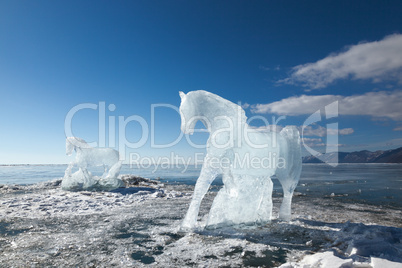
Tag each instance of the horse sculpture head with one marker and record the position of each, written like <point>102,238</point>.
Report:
<point>207,107</point>
<point>187,114</point>
<point>73,142</point>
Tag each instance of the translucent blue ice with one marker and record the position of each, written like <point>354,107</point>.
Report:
<point>245,157</point>
<point>87,156</point>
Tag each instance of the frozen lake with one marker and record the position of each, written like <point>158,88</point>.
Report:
<point>372,183</point>
<point>348,215</point>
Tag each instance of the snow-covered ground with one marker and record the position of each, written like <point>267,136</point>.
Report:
<point>42,225</point>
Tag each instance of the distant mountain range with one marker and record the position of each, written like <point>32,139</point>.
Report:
<point>389,156</point>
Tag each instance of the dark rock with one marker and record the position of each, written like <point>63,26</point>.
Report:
<point>132,180</point>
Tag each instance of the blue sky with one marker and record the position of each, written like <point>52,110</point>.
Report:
<point>274,56</point>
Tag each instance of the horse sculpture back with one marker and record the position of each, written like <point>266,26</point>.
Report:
<point>246,194</point>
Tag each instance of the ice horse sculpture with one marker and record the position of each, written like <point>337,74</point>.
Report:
<point>87,156</point>
<point>233,151</point>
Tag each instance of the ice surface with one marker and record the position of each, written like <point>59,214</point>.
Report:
<point>357,245</point>
<point>86,156</point>
<point>322,259</point>
<point>382,263</point>
<point>43,226</point>
<point>246,158</point>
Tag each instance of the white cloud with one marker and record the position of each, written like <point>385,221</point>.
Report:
<point>380,104</point>
<point>264,68</point>
<point>345,131</point>
<point>317,142</point>
<point>320,131</point>
<point>398,128</point>
<point>295,105</point>
<point>312,140</point>
<point>324,145</point>
<point>245,105</point>
<point>267,128</point>
<point>378,60</point>
<point>309,131</point>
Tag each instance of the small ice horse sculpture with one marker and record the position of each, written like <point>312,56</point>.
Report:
<point>87,156</point>
<point>246,159</point>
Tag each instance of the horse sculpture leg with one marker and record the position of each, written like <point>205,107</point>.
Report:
<point>86,173</point>
<point>105,171</point>
<point>207,176</point>
<point>67,173</point>
<point>264,209</point>
<point>289,175</point>
<point>288,178</point>
<point>285,210</point>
